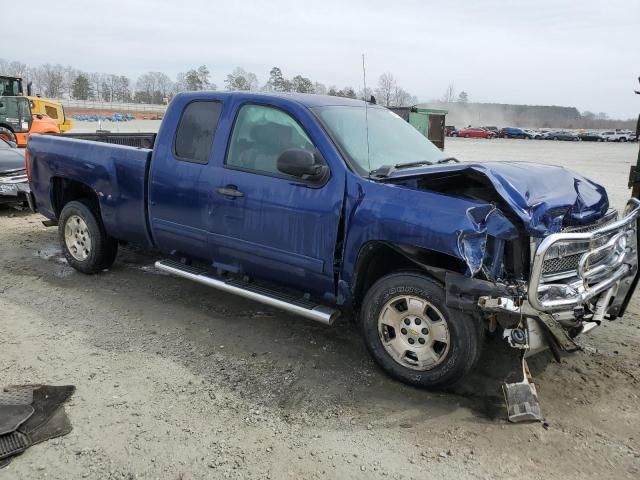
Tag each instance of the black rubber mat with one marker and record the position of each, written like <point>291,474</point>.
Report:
<point>56,425</point>
<point>46,399</point>
<point>16,396</point>
<point>30,415</point>
<point>13,444</point>
<point>12,416</point>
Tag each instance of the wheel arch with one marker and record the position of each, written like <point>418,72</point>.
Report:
<point>65,190</point>
<point>377,259</point>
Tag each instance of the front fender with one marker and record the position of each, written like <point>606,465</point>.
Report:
<point>469,230</point>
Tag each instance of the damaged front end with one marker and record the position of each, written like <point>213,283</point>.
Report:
<point>579,277</point>
<point>547,259</point>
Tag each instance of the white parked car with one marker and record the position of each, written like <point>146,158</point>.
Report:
<point>613,136</point>
<point>533,133</point>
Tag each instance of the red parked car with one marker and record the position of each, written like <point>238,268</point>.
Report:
<point>476,133</point>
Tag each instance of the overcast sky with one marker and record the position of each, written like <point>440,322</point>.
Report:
<point>580,53</point>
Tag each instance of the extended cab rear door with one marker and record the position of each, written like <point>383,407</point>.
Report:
<point>182,179</point>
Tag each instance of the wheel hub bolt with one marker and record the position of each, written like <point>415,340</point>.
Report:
<point>412,341</point>
<point>404,331</point>
<point>425,331</point>
<point>418,321</point>
<point>407,321</point>
<point>421,340</point>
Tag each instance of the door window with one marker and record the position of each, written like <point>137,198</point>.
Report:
<point>197,126</point>
<point>259,137</point>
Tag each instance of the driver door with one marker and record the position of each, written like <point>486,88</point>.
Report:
<point>269,224</point>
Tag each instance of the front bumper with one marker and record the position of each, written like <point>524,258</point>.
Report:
<point>13,188</point>
<point>610,264</point>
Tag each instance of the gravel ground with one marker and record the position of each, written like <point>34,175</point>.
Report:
<point>177,381</point>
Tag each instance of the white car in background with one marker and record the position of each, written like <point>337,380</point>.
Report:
<point>613,136</point>
<point>535,134</point>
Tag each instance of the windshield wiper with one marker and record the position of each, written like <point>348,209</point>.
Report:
<point>413,164</point>
<point>385,170</point>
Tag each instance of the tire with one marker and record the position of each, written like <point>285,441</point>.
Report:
<point>84,242</point>
<point>7,134</point>
<point>622,140</point>
<point>446,361</point>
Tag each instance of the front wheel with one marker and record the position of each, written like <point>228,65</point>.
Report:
<point>85,244</point>
<point>413,336</point>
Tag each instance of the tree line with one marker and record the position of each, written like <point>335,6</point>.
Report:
<point>67,82</point>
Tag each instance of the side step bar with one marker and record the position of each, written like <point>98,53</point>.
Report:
<point>289,303</point>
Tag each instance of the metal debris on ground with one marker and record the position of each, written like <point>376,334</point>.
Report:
<point>522,398</point>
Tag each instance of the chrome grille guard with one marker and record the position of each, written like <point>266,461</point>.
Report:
<point>620,261</point>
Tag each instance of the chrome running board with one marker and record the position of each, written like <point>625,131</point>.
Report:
<point>273,298</point>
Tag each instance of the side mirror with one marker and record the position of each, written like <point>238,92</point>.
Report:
<point>301,163</point>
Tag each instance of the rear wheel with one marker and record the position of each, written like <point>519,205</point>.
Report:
<point>623,139</point>
<point>85,244</point>
<point>8,135</point>
<point>413,336</point>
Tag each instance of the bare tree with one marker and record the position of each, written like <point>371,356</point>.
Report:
<point>387,83</point>
<point>52,78</point>
<point>240,79</point>
<point>402,98</point>
<point>319,88</point>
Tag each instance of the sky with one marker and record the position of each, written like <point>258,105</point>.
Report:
<point>581,53</point>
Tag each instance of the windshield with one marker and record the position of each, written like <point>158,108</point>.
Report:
<point>392,141</point>
<point>10,86</point>
<point>16,112</point>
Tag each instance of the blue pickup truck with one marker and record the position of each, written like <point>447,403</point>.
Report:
<point>324,206</point>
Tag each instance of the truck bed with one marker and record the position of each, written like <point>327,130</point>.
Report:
<point>140,140</point>
<point>116,173</point>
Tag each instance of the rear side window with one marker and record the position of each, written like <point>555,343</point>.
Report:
<point>197,126</point>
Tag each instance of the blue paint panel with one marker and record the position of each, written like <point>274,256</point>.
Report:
<point>115,173</point>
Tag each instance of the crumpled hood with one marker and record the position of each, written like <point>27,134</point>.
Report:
<point>545,197</point>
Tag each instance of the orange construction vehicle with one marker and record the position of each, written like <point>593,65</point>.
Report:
<point>14,87</point>
<point>17,121</point>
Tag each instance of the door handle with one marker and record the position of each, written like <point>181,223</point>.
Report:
<point>230,191</point>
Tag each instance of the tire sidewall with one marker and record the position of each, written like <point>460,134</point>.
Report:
<point>93,262</point>
<point>464,344</point>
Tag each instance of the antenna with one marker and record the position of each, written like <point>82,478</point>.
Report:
<point>366,109</point>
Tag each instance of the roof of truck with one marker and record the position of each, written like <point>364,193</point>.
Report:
<point>306,99</point>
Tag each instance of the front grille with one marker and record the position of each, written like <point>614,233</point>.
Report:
<point>610,216</point>
<point>568,264</point>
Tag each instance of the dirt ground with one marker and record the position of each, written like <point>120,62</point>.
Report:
<point>177,381</point>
